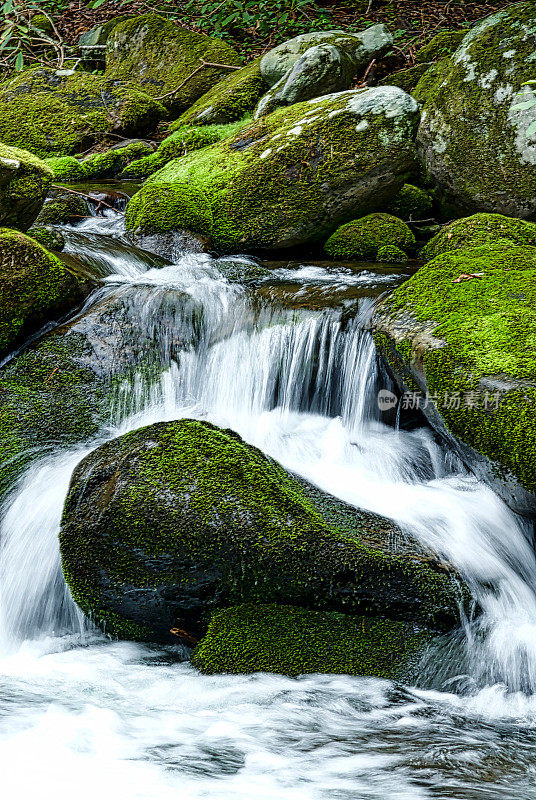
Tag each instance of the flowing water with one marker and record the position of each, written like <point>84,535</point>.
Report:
<point>83,716</point>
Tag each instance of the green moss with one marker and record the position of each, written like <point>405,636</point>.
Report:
<point>391,254</point>
<point>171,202</point>
<point>294,641</point>
<point>33,285</point>
<point>114,161</point>
<point>185,517</point>
<point>363,237</point>
<point>24,182</point>
<point>289,177</point>
<point>488,326</point>
<point>230,99</point>
<point>480,229</point>
<point>160,56</point>
<point>443,44</point>
<point>49,237</point>
<point>59,116</point>
<point>62,209</point>
<point>406,79</point>
<point>474,146</point>
<point>66,168</point>
<point>411,202</point>
<point>185,139</point>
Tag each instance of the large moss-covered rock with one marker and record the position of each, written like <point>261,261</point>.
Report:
<point>360,48</point>
<point>57,114</point>
<point>411,202</point>
<point>114,161</point>
<point>288,178</point>
<point>474,144</point>
<point>296,641</point>
<point>165,524</point>
<point>442,44</point>
<point>363,238</point>
<point>470,345</point>
<point>229,100</point>
<point>24,181</point>
<point>159,56</point>
<point>34,286</point>
<point>480,229</point>
<point>63,208</point>
<point>66,168</point>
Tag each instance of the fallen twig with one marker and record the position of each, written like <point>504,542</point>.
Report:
<point>87,196</point>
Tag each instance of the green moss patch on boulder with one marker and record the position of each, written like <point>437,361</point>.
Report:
<point>475,341</point>
<point>24,182</point>
<point>411,203</point>
<point>58,115</point>
<point>49,237</point>
<point>296,641</point>
<point>229,100</point>
<point>391,254</point>
<point>159,56</point>
<point>185,139</point>
<point>443,44</point>
<point>114,161</point>
<point>66,168</point>
<point>63,208</point>
<point>480,229</point>
<point>406,79</point>
<point>165,524</point>
<point>474,144</point>
<point>34,286</point>
<point>293,176</point>
<point>362,238</point>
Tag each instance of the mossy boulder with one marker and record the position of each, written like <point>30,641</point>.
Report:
<point>165,524</point>
<point>63,208</point>
<point>480,229</point>
<point>49,237</point>
<point>159,56</point>
<point>113,161</point>
<point>391,254</point>
<point>406,79</point>
<point>411,203</point>
<point>229,100</point>
<point>296,641</point>
<point>184,139</point>
<point>442,44</point>
<point>359,48</point>
<point>24,182</point>
<point>470,345</point>
<point>473,142</point>
<point>34,286</point>
<point>288,178</point>
<point>66,168</point>
<point>56,114</point>
<point>362,238</point>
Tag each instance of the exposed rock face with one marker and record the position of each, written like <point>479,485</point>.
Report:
<point>53,114</point>
<point>34,285</point>
<point>171,521</point>
<point>159,56</point>
<point>24,181</point>
<point>469,346</point>
<point>288,178</point>
<point>472,141</point>
<point>360,48</point>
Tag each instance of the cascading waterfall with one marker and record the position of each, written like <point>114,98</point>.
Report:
<point>302,386</point>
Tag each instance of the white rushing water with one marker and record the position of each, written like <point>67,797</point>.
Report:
<point>80,714</point>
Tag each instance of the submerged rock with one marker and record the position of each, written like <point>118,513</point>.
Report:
<point>54,114</point>
<point>467,344</point>
<point>24,182</point>
<point>480,229</point>
<point>474,144</point>
<point>296,641</point>
<point>288,178</point>
<point>34,286</point>
<point>159,56</point>
<point>363,238</point>
<point>167,523</point>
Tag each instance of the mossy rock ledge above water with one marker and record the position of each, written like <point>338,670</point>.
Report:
<point>463,331</point>
<point>167,523</point>
<point>288,178</point>
<point>24,182</point>
<point>296,641</point>
<point>475,145</point>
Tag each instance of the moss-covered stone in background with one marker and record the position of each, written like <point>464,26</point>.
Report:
<point>362,238</point>
<point>63,208</point>
<point>59,115</point>
<point>229,100</point>
<point>291,177</point>
<point>295,641</point>
<point>443,44</point>
<point>24,182</point>
<point>475,341</point>
<point>391,254</point>
<point>165,524</point>
<point>411,202</point>
<point>159,56</point>
<point>480,229</point>
<point>114,161</point>
<point>66,168</point>
<point>50,238</point>
<point>34,286</point>
<point>406,79</point>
